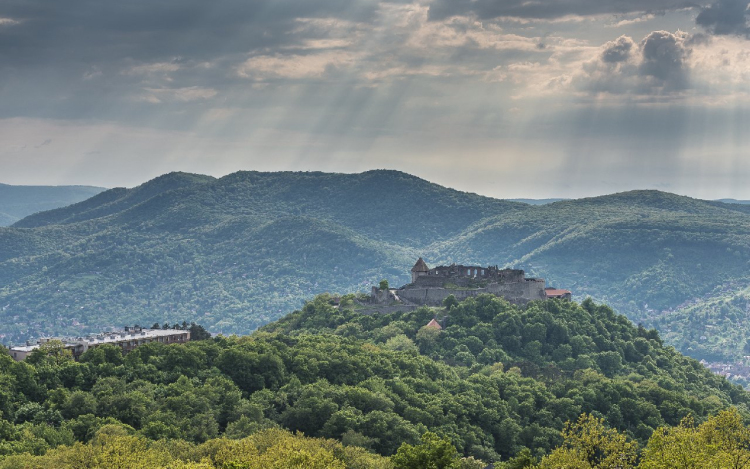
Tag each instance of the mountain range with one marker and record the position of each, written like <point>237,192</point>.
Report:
<point>17,202</point>
<point>237,252</point>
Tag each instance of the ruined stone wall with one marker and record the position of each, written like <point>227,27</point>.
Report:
<point>439,281</point>
<point>385,309</point>
<point>528,290</point>
<point>473,271</point>
<point>435,296</point>
<point>515,292</point>
<point>382,296</point>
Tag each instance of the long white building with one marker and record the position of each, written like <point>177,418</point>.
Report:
<point>127,340</point>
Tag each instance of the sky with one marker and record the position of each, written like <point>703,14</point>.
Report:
<point>506,98</point>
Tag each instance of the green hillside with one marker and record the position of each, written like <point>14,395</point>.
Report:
<point>237,252</point>
<point>714,328</point>
<point>496,380</point>
<point>638,250</point>
<point>17,202</point>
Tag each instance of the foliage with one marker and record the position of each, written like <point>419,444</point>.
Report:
<point>238,252</point>
<point>433,453</point>
<point>714,328</point>
<point>588,444</point>
<point>498,382</point>
<point>722,441</point>
<point>263,450</point>
<point>586,358</point>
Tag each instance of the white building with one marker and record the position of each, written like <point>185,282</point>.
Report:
<point>127,340</point>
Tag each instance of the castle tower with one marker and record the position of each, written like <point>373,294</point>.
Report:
<point>419,269</point>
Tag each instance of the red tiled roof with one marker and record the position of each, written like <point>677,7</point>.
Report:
<point>554,292</point>
<point>434,324</point>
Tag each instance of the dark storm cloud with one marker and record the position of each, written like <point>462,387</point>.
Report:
<point>726,17</point>
<point>83,58</point>
<point>618,50</point>
<point>148,30</point>
<point>664,58</point>
<point>657,66</point>
<point>541,9</point>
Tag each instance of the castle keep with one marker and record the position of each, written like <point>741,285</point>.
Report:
<point>431,286</point>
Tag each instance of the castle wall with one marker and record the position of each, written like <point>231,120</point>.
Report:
<point>465,275</point>
<point>382,296</point>
<point>439,281</point>
<point>435,296</point>
<point>428,286</point>
<point>516,292</point>
<point>385,309</point>
<point>527,290</point>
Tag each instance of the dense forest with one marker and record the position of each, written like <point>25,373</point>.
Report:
<point>497,382</point>
<point>238,252</point>
<point>17,202</point>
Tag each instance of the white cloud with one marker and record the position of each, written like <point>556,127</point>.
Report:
<point>630,21</point>
<point>294,66</point>
<point>184,95</point>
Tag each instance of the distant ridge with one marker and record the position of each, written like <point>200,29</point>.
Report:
<point>17,202</point>
<point>734,201</point>
<point>537,201</point>
<point>113,200</point>
<point>236,252</point>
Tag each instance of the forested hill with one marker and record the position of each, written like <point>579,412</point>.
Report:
<point>113,201</point>
<point>17,202</point>
<point>384,205</point>
<point>496,380</point>
<point>236,252</point>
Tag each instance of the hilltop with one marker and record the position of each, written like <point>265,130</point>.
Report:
<point>493,380</point>
<point>237,252</point>
<point>17,202</point>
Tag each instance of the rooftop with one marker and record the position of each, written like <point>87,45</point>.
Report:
<point>420,266</point>
<point>104,338</point>
<point>434,324</point>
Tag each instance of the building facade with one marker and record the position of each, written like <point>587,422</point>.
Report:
<point>431,286</point>
<point>126,340</point>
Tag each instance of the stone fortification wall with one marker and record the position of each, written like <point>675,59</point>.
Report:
<point>515,292</point>
<point>368,309</point>
<point>466,276</point>
<point>435,296</point>
<point>382,296</point>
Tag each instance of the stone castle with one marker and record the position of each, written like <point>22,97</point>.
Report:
<point>431,286</point>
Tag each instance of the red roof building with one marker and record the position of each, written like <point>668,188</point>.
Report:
<point>557,293</point>
<point>434,324</point>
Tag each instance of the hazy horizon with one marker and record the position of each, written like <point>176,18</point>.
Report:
<point>519,198</point>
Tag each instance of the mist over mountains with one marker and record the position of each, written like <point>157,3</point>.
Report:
<point>17,202</point>
<point>237,252</point>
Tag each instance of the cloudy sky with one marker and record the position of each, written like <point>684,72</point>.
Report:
<point>508,98</point>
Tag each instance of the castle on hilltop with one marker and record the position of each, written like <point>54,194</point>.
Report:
<point>431,286</point>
